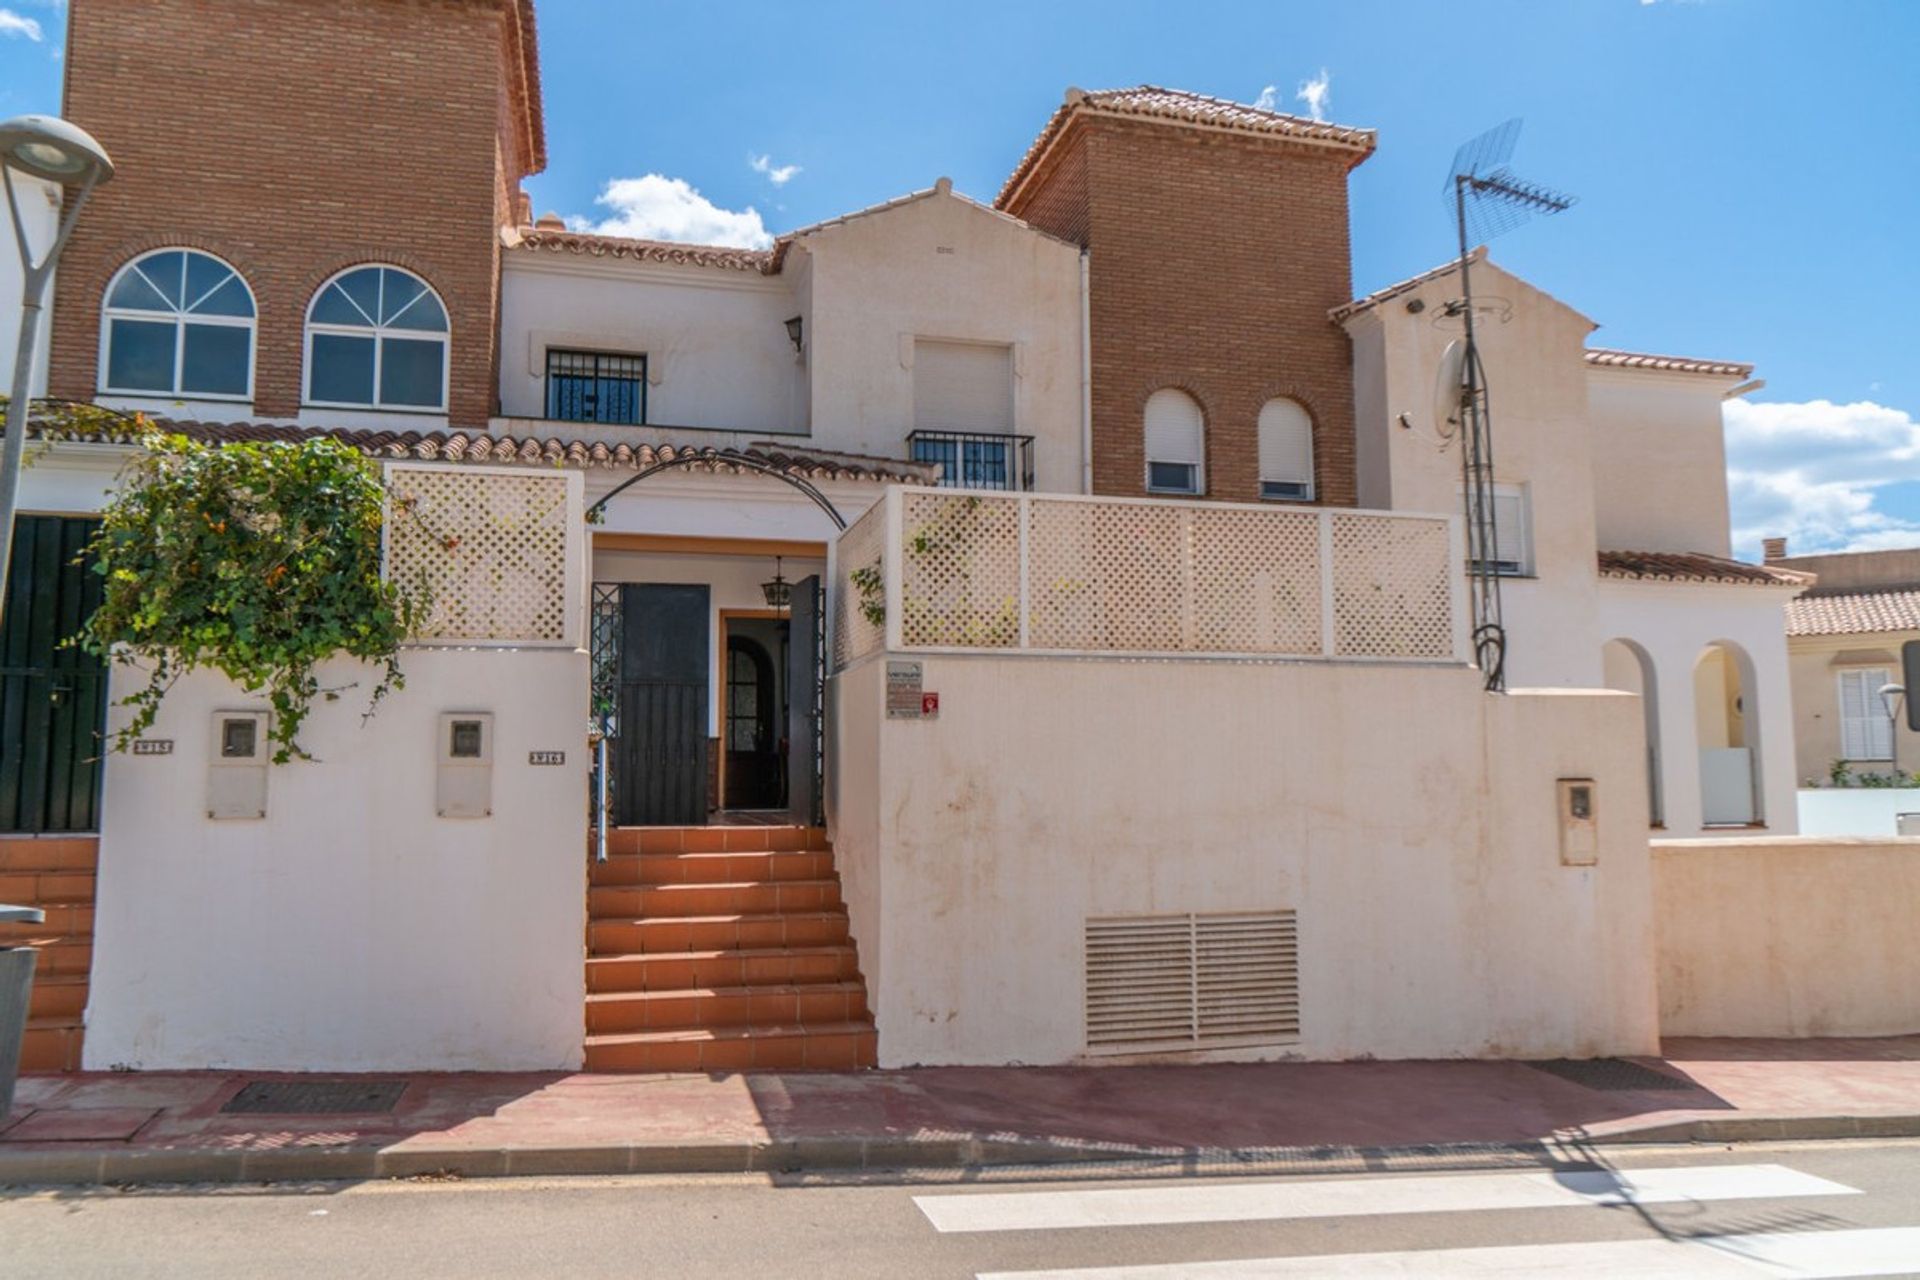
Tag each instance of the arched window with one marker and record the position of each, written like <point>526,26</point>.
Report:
<point>377,339</point>
<point>1286,452</point>
<point>178,322</point>
<point>1176,443</point>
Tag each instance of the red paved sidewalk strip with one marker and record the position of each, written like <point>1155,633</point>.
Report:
<point>169,1126</point>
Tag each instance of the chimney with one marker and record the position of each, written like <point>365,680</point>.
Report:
<point>1773,549</point>
<point>522,209</point>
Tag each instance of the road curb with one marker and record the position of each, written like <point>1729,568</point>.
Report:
<point>123,1166</point>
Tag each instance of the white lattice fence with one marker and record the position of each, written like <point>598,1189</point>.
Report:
<point>960,574</point>
<point>497,554</point>
<point>1393,582</point>
<point>858,602</point>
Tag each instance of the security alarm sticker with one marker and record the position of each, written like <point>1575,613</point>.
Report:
<point>904,694</point>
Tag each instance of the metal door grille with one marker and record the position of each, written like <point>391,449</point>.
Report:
<point>53,695</point>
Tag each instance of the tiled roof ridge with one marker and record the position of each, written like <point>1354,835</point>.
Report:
<point>1394,290</point>
<point>1696,566</point>
<point>1184,107</point>
<point>1614,358</point>
<point>456,445</point>
<point>1843,613</point>
<point>593,244</point>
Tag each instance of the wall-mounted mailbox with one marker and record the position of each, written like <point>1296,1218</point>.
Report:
<point>1579,822</point>
<point>464,783</point>
<point>237,765</point>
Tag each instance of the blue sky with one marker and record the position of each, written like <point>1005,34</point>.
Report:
<point>1748,171</point>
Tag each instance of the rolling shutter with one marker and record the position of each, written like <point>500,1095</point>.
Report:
<point>962,386</point>
<point>1286,451</point>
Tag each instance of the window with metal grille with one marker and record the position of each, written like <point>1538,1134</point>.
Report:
<point>596,386</point>
<point>1191,981</point>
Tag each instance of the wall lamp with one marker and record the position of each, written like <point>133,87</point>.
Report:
<point>794,332</point>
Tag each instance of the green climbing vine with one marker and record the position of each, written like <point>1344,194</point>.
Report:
<point>256,560</point>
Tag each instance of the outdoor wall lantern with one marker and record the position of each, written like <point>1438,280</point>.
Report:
<point>58,152</point>
<point>793,332</point>
<point>1890,698</point>
<point>779,592</point>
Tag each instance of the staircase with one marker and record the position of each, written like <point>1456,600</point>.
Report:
<point>56,874</point>
<point>721,949</point>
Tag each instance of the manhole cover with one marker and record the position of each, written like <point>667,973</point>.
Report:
<point>315,1097</point>
<point>1611,1075</point>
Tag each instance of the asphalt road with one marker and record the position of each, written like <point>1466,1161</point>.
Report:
<point>1774,1210</point>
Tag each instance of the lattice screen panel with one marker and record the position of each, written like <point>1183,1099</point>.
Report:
<point>859,550</point>
<point>1107,576</point>
<point>960,571</point>
<point>1256,581</point>
<point>489,549</point>
<point>1392,587</point>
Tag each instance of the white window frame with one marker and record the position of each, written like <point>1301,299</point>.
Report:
<point>1523,498</point>
<point>1873,732</point>
<point>377,332</point>
<point>1305,486</point>
<point>181,319</point>
<point>1198,463</point>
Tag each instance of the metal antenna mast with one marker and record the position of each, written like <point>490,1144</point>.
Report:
<point>1486,199</point>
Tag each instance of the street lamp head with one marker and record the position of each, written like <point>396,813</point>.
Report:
<point>1890,695</point>
<point>55,150</point>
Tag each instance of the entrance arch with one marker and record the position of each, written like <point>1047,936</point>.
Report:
<point>1727,729</point>
<point>1629,668</point>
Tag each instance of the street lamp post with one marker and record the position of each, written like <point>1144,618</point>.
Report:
<point>63,153</point>
<point>1890,697</point>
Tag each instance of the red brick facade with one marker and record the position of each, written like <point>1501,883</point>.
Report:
<point>295,139</point>
<point>1213,260</point>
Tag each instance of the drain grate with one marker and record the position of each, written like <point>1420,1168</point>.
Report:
<point>1611,1075</point>
<point>314,1097</point>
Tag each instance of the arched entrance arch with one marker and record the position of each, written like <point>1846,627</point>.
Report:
<point>1726,718</point>
<point>730,458</point>
<point>1629,668</point>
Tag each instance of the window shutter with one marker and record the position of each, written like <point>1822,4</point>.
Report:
<point>962,386</point>
<point>1286,450</point>
<point>1176,431</point>
<point>1510,529</point>
<point>1865,733</point>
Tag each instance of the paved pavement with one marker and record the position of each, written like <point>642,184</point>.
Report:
<point>160,1126</point>
<point>1814,1209</point>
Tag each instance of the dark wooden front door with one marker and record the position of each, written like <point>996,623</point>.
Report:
<point>661,756</point>
<point>53,697</point>
<point>805,671</point>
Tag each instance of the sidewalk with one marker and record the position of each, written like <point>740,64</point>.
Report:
<point>170,1127</point>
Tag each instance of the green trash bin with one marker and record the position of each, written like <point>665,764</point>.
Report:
<point>16,989</point>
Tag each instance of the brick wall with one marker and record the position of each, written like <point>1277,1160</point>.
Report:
<point>1214,261</point>
<point>295,139</point>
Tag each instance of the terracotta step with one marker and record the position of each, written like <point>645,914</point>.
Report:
<point>712,868</point>
<point>57,996</point>
<point>792,1004</point>
<point>828,1046</point>
<point>713,839</point>
<point>48,853</point>
<point>70,921</point>
<point>680,970</point>
<point>46,888</point>
<point>51,1044</point>
<point>742,898</point>
<point>718,932</point>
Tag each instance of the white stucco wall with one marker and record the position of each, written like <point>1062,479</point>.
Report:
<point>1673,623</point>
<point>40,212</point>
<point>1659,460</point>
<point>1531,345</point>
<point>1855,811</point>
<point>351,929</point>
<point>1788,937</point>
<point>1408,817</point>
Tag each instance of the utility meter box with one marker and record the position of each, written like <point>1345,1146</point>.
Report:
<point>464,767</point>
<point>237,765</point>
<point>1579,822</point>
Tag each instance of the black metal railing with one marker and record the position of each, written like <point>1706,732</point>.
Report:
<point>976,459</point>
<point>591,386</point>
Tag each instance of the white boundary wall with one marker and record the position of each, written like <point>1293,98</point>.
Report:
<point>1855,811</point>
<point>351,929</point>
<point>1407,817</point>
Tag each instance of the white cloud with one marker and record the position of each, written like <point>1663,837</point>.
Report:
<point>1809,470</point>
<point>13,24</point>
<point>778,174</point>
<point>656,207</point>
<point>1269,98</point>
<point>1314,94</point>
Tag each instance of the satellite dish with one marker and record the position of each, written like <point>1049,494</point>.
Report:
<point>1448,384</point>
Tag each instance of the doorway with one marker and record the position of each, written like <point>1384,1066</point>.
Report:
<point>754,710</point>
<point>53,695</point>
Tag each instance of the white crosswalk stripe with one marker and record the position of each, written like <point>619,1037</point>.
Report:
<point>1358,1197</point>
<point>1813,1255</point>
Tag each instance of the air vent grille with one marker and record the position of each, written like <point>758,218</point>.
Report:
<point>1189,980</point>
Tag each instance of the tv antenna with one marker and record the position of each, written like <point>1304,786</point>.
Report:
<point>1487,199</point>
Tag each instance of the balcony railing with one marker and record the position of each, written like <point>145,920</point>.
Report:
<point>976,459</point>
<point>932,570</point>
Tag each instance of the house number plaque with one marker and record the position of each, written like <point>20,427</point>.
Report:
<point>546,757</point>
<point>153,746</point>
